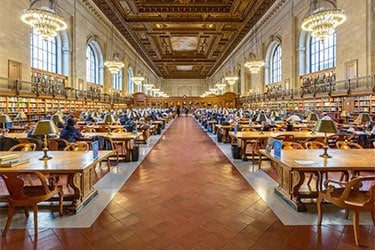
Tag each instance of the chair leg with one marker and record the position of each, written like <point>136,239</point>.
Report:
<point>9,219</point>
<point>35,207</point>
<point>346,216</point>
<point>319,207</point>
<point>356,227</point>
<point>373,216</point>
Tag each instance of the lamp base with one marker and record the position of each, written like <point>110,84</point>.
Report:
<point>45,157</point>
<point>325,156</point>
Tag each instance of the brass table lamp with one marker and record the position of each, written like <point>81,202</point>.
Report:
<point>325,126</point>
<point>262,119</point>
<point>45,128</point>
<point>4,119</point>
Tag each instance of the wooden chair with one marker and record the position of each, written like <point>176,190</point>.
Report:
<point>26,146</point>
<point>285,137</point>
<point>56,144</point>
<point>290,145</point>
<point>38,143</point>
<point>88,130</point>
<point>77,146</point>
<point>252,151</point>
<point>348,145</point>
<point>350,196</point>
<point>314,145</point>
<point>119,130</point>
<point>21,195</point>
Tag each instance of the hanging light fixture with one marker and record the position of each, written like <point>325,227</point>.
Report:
<point>137,79</point>
<point>113,65</point>
<point>254,64</point>
<point>43,19</point>
<point>148,86</point>
<point>231,79</point>
<point>323,18</point>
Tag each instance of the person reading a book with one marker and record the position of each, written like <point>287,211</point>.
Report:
<point>70,132</point>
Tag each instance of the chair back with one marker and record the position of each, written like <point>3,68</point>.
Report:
<point>15,183</point>
<point>314,145</point>
<point>77,146</point>
<point>119,130</point>
<point>285,137</point>
<point>289,145</point>
<point>56,144</point>
<point>27,146</point>
<point>348,145</point>
<point>88,130</point>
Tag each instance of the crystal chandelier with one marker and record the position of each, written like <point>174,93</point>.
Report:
<point>43,19</point>
<point>323,18</point>
<point>114,66</point>
<point>220,86</point>
<point>254,65</point>
<point>231,79</point>
<point>148,86</point>
<point>137,79</point>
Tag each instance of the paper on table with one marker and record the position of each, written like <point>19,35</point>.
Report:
<point>304,162</point>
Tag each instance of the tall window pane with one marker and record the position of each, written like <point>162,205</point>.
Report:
<point>276,65</point>
<point>322,53</point>
<point>91,65</point>
<point>43,53</point>
<point>117,80</point>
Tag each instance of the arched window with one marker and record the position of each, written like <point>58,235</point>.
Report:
<point>273,63</point>
<point>130,81</point>
<point>43,53</point>
<point>94,63</point>
<point>50,55</point>
<point>117,80</point>
<point>276,64</point>
<point>322,53</point>
<point>316,55</point>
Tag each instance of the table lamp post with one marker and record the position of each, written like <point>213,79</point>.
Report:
<point>4,119</point>
<point>311,118</point>
<point>325,126</point>
<point>45,128</point>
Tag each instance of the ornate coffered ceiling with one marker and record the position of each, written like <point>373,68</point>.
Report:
<point>184,38</point>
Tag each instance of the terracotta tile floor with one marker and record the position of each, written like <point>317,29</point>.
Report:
<point>187,195</point>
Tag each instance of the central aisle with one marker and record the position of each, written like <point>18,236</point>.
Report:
<point>186,193</point>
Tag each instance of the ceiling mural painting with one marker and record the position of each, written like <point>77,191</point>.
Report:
<point>184,38</point>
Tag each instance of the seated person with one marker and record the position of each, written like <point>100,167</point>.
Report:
<point>70,132</point>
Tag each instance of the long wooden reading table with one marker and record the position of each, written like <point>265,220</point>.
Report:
<point>293,164</point>
<point>79,167</point>
<point>252,135</point>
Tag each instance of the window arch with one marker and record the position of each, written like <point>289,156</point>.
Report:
<point>130,81</point>
<point>94,63</point>
<point>117,80</point>
<point>316,55</point>
<point>50,55</point>
<point>273,62</point>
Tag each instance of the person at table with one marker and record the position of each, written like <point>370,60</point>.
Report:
<point>294,118</point>
<point>70,132</point>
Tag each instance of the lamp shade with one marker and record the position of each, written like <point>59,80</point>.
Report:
<point>345,113</point>
<point>4,118</point>
<point>325,126</point>
<point>261,118</point>
<point>364,117</point>
<point>21,116</point>
<point>45,127</point>
<point>108,118</point>
<point>312,117</point>
<point>57,119</point>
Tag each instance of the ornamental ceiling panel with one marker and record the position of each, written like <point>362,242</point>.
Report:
<point>184,38</point>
